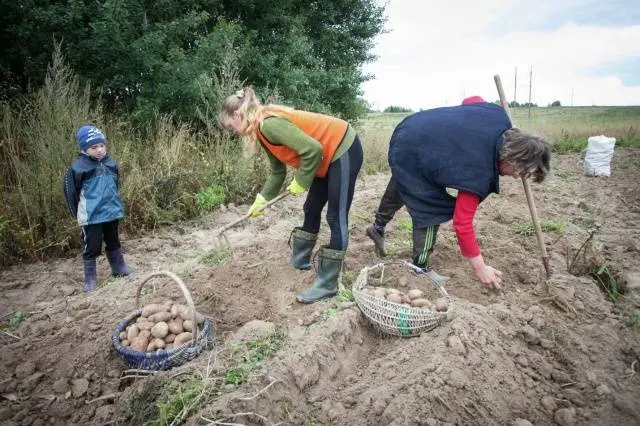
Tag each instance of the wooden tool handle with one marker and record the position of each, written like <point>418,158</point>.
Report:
<point>527,188</point>
<point>248,215</point>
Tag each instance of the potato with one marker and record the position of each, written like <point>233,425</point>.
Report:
<point>160,330</point>
<point>133,332</point>
<point>123,334</point>
<point>160,316</point>
<point>185,313</point>
<point>145,325</point>
<point>139,344</point>
<point>368,290</point>
<point>170,338</point>
<point>155,344</point>
<point>175,310</point>
<point>405,299</point>
<point>182,338</point>
<point>403,281</point>
<point>392,291</point>
<point>187,325</point>
<point>145,333</point>
<point>175,326</point>
<point>442,305</point>
<point>420,303</point>
<point>379,293</point>
<point>394,297</point>
<point>415,294</point>
<point>168,346</point>
<point>153,308</point>
<point>125,342</point>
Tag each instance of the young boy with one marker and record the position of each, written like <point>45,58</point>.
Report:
<point>91,187</point>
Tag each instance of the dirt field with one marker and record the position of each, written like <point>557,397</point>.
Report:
<point>544,352</point>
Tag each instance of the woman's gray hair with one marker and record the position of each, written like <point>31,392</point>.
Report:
<point>529,154</point>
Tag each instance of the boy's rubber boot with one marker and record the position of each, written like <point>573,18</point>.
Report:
<point>326,282</point>
<point>302,244</point>
<point>118,267</point>
<point>90,276</point>
<point>378,239</point>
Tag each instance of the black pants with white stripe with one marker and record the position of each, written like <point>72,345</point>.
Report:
<point>336,189</point>
<point>424,239</point>
<point>92,236</point>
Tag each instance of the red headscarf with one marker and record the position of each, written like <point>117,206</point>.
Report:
<point>472,100</point>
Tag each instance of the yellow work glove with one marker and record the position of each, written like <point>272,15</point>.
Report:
<point>257,206</point>
<point>295,188</point>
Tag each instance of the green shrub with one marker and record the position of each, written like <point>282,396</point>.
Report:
<point>210,197</point>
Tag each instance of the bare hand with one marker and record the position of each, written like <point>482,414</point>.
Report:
<point>489,276</point>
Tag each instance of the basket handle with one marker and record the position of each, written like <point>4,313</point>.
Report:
<point>185,293</point>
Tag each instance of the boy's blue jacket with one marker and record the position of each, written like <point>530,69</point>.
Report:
<point>91,189</point>
<point>453,147</point>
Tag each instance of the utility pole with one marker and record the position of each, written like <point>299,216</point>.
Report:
<point>515,86</point>
<point>530,78</point>
<point>572,96</point>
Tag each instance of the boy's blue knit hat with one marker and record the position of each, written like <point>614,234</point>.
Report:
<point>89,135</point>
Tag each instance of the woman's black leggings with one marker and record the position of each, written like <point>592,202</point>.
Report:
<point>336,189</point>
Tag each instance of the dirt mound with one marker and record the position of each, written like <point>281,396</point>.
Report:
<point>546,352</point>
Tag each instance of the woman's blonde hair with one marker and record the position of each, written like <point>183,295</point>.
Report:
<point>248,107</point>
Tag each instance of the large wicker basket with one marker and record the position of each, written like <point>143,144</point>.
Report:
<point>394,318</point>
<point>163,359</point>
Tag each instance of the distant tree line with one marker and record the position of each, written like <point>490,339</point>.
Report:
<point>395,108</point>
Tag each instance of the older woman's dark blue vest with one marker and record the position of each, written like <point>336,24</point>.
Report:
<point>454,147</point>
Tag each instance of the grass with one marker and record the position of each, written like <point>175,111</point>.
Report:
<point>179,397</point>
<point>404,224</point>
<point>15,319</point>
<point>566,127</point>
<point>345,295</point>
<point>165,401</point>
<point>633,320</point>
<point>215,258</point>
<point>171,172</point>
<point>527,228</point>
<point>607,281</point>
<point>18,318</point>
<point>245,358</point>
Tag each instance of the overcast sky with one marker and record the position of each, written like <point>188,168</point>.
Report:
<point>435,52</point>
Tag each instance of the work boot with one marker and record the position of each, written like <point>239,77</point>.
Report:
<point>118,267</point>
<point>302,243</point>
<point>90,276</point>
<point>377,235</point>
<point>326,282</point>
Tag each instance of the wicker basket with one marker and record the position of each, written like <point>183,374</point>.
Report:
<point>394,318</point>
<point>162,359</point>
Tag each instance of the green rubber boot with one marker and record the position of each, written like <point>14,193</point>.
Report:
<point>326,282</point>
<point>302,244</point>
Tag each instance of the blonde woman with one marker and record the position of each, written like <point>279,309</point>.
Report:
<point>327,155</point>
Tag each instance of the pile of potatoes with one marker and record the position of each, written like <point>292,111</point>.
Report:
<point>161,326</point>
<point>414,298</point>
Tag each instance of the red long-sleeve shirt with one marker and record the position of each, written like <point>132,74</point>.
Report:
<point>465,209</point>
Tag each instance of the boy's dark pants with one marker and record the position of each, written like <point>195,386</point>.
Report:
<point>92,236</point>
<point>390,203</point>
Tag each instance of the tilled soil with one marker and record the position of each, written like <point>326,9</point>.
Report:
<point>544,351</point>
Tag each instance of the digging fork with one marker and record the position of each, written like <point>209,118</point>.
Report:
<point>221,233</point>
